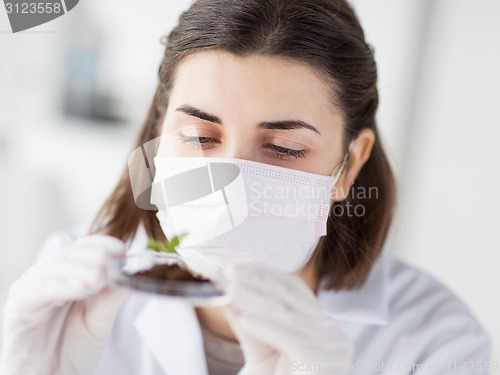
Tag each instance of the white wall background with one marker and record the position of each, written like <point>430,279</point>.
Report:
<point>439,65</point>
<point>439,84</point>
<point>449,217</point>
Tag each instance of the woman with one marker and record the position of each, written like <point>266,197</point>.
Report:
<point>288,86</point>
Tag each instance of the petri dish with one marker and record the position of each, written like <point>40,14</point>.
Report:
<point>123,272</point>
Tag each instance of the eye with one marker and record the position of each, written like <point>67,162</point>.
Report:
<point>285,153</point>
<point>197,141</point>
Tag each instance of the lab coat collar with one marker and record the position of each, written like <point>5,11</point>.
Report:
<point>169,327</point>
<point>366,305</point>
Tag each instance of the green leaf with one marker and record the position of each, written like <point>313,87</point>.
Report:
<point>155,245</point>
<point>176,240</point>
<point>165,246</point>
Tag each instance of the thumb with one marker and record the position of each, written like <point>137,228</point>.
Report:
<point>88,325</point>
<point>259,357</point>
<point>101,309</point>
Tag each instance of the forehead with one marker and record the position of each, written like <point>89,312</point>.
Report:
<point>253,85</point>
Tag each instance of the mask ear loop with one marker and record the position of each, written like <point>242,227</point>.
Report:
<point>346,156</point>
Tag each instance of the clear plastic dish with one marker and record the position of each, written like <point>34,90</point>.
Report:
<point>122,271</point>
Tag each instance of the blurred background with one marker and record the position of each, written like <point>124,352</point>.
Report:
<point>73,93</point>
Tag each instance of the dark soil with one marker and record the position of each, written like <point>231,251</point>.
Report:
<point>171,272</point>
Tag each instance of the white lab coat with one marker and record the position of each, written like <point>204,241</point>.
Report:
<point>401,320</point>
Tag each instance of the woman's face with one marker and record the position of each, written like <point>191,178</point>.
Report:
<point>266,109</point>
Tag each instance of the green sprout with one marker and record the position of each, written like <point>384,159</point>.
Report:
<point>166,246</point>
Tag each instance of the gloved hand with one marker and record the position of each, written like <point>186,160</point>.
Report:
<point>281,326</point>
<point>59,313</point>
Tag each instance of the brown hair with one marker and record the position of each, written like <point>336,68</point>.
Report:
<point>325,34</point>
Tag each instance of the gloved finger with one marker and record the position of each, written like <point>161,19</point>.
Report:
<point>265,356</point>
<point>328,343</point>
<point>99,311</point>
<point>258,276</point>
<point>65,271</point>
<point>254,302</point>
<point>101,243</point>
<point>89,280</point>
<point>102,307</point>
<point>286,288</point>
<point>287,323</point>
<point>255,351</point>
<point>295,320</point>
<point>92,256</point>
<point>88,325</point>
<point>110,244</point>
<point>31,299</point>
<point>56,282</point>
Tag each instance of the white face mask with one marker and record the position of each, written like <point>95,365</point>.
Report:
<point>236,210</point>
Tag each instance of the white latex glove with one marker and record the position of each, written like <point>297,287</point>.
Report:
<point>281,325</point>
<point>60,311</point>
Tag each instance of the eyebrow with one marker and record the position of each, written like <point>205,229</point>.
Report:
<point>280,125</point>
<point>195,112</point>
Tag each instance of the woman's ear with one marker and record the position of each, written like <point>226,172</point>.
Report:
<point>359,154</point>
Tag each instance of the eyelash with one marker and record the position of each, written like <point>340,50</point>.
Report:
<point>285,153</point>
<point>279,152</point>
<point>196,140</point>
